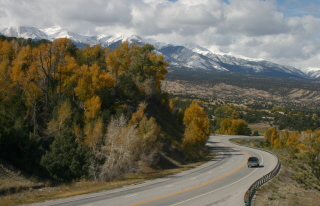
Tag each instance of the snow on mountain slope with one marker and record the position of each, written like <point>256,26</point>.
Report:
<point>24,32</point>
<point>247,65</point>
<point>236,64</point>
<point>314,73</point>
<point>58,32</point>
<point>187,56</point>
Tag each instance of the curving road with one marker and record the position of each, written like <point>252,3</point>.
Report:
<point>221,181</point>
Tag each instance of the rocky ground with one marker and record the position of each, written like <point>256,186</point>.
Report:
<point>241,95</point>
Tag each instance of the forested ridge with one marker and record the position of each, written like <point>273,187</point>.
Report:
<point>68,113</point>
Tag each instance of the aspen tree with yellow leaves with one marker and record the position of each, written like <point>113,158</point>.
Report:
<point>138,68</point>
<point>94,132</point>
<point>119,59</point>
<point>93,55</point>
<point>81,113</point>
<point>6,56</point>
<point>148,135</point>
<point>225,126</point>
<point>234,127</point>
<point>197,130</point>
<point>64,114</point>
<point>270,135</point>
<point>26,75</point>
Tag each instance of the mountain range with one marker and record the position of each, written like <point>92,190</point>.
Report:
<point>179,56</point>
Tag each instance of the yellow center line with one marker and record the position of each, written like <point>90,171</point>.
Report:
<point>198,185</point>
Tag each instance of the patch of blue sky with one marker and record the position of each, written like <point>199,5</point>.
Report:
<point>291,8</point>
<point>299,7</point>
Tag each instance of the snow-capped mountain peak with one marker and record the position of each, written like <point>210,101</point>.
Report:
<point>24,32</point>
<point>179,56</point>
<point>59,32</point>
<point>52,30</point>
<point>314,72</point>
<point>198,49</point>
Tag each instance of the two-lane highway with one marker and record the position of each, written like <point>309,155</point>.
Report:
<point>221,181</point>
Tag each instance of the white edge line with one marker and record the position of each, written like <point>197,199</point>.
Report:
<point>219,188</point>
<point>214,190</point>
<point>130,195</point>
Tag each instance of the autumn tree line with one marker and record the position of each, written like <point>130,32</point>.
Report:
<point>303,145</point>
<point>68,113</point>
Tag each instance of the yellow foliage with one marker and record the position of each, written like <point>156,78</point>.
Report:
<point>233,127</point>
<point>144,67</point>
<point>270,135</point>
<point>293,139</point>
<point>149,131</point>
<point>139,114</point>
<point>91,79</point>
<point>92,55</point>
<point>197,126</point>
<point>6,53</point>
<point>239,127</point>
<point>234,115</point>
<point>60,47</point>
<point>160,67</point>
<point>94,134</point>
<point>92,107</point>
<point>171,104</point>
<point>276,143</point>
<point>67,76</point>
<point>119,59</point>
<point>105,80</point>
<point>225,126</point>
<point>84,89</point>
<point>64,114</point>
<point>77,131</point>
<point>194,111</point>
<point>283,139</point>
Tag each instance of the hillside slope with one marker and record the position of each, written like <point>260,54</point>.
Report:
<point>243,89</point>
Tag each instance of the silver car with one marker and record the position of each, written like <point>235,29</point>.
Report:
<point>253,162</point>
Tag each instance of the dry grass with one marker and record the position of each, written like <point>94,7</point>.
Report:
<point>260,127</point>
<point>12,181</point>
<point>284,191</point>
<point>84,187</point>
<point>294,186</point>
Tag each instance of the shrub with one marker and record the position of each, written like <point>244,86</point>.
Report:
<point>66,160</point>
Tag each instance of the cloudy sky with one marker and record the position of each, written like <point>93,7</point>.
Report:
<point>282,31</point>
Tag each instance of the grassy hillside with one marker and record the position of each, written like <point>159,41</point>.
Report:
<point>295,185</point>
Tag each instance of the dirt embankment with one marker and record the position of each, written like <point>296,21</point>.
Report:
<point>12,180</point>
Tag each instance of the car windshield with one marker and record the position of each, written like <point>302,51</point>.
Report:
<point>253,159</point>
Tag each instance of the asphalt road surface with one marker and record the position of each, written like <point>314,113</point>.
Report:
<point>222,181</point>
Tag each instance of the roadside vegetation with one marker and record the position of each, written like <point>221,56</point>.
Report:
<point>69,114</point>
<point>51,191</point>
<point>298,182</point>
<point>78,120</point>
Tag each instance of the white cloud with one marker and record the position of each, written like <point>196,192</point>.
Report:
<point>253,18</point>
<point>253,28</point>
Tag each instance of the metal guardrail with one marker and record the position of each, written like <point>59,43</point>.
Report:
<point>252,189</point>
